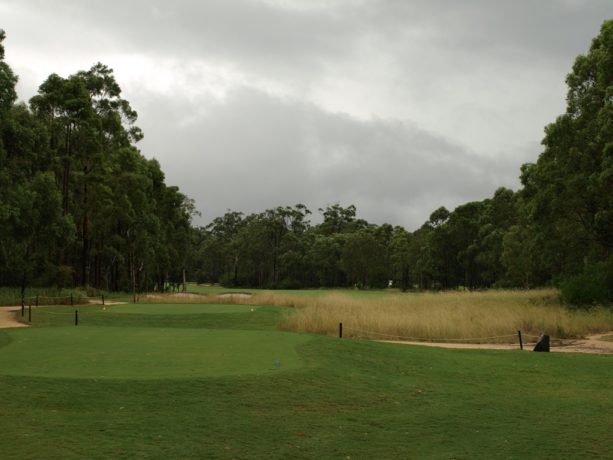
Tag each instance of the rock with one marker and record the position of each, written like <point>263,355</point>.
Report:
<point>542,344</point>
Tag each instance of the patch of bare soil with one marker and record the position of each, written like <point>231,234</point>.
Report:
<point>590,344</point>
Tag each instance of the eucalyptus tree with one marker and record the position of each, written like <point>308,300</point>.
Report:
<point>400,258</point>
<point>569,190</point>
<point>32,225</point>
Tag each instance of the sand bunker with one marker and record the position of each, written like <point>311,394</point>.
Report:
<point>235,295</point>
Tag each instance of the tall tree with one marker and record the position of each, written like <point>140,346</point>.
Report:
<point>569,190</point>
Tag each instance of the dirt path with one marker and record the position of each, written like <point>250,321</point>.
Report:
<point>7,317</point>
<point>590,344</point>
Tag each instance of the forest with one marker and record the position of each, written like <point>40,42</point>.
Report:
<point>81,206</point>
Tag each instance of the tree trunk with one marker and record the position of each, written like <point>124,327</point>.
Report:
<point>85,235</point>
<point>66,173</point>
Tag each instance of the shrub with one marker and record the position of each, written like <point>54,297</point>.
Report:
<point>594,285</point>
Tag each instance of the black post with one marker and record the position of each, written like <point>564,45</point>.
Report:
<point>521,344</point>
<point>340,330</point>
<point>37,300</point>
<point>76,317</point>
<point>29,313</point>
<point>102,299</point>
<point>71,300</point>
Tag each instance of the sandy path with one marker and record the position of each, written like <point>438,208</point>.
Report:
<point>590,344</point>
<point>7,317</point>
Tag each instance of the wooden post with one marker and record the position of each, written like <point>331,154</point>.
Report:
<point>76,317</point>
<point>340,330</point>
<point>521,344</point>
<point>102,299</point>
<point>30,313</point>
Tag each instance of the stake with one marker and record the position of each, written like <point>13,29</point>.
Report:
<point>102,299</point>
<point>521,344</point>
<point>76,317</point>
<point>30,313</point>
<point>340,330</point>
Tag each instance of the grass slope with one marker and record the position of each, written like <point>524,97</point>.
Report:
<point>351,399</point>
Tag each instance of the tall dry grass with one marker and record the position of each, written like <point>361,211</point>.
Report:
<point>491,316</point>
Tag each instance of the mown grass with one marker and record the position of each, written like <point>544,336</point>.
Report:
<point>147,353</point>
<point>351,399</point>
<point>209,316</point>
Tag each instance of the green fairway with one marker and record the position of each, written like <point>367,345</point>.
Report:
<point>143,353</point>
<point>180,309</point>
<point>190,316</point>
<point>152,383</point>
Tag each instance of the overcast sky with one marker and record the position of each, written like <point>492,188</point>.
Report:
<point>395,106</point>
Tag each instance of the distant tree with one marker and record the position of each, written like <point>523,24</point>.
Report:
<point>400,258</point>
<point>363,259</point>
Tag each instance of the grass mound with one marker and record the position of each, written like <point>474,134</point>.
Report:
<point>146,353</point>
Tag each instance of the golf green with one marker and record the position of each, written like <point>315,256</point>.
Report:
<point>180,309</point>
<point>147,353</point>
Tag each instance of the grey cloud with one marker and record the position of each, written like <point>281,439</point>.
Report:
<point>238,30</point>
<point>254,152</point>
<point>547,28</point>
<point>478,73</point>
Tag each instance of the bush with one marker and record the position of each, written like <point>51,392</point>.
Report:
<point>289,283</point>
<point>591,287</point>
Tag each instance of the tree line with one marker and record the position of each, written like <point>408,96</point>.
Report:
<point>79,204</point>
<point>557,229</point>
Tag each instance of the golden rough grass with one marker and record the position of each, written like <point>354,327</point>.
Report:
<point>491,316</point>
